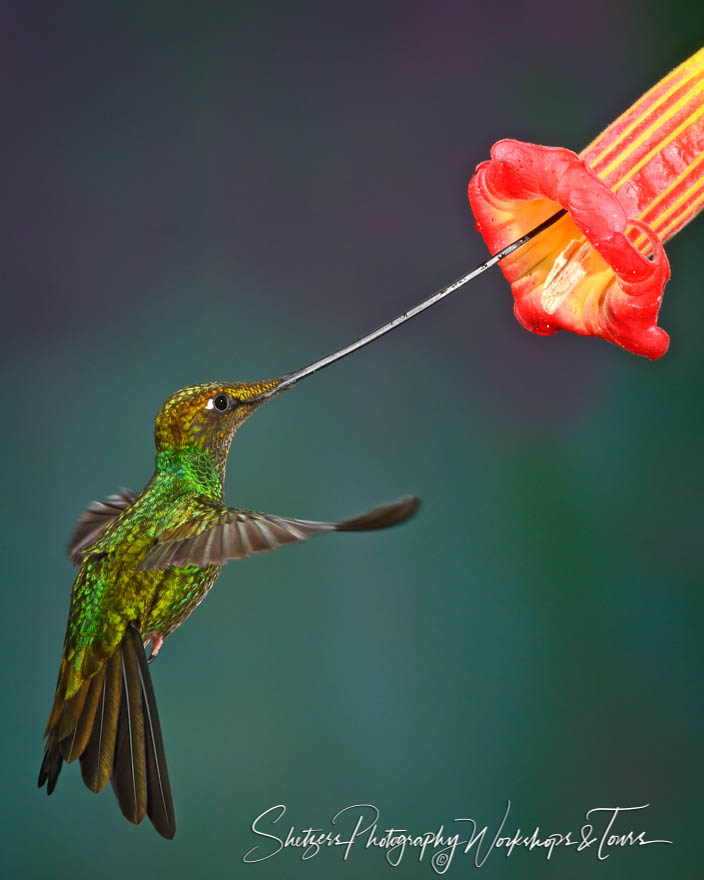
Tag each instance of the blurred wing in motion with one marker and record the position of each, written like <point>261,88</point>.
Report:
<point>218,533</point>
<point>95,519</point>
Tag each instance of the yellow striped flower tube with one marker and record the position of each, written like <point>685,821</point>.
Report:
<point>601,269</point>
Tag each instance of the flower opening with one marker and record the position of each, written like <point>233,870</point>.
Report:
<point>601,269</point>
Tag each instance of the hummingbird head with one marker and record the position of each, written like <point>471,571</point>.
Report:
<point>204,418</point>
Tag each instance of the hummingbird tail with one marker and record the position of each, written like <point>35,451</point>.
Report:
<point>112,726</point>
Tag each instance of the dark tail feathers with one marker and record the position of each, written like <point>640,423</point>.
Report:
<point>112,726</point>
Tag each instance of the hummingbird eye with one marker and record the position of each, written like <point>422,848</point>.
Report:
<point>221,402</point>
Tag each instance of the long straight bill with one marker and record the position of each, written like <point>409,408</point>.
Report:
<point>291,378</point>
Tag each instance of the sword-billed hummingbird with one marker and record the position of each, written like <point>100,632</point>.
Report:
<point>147,560</point>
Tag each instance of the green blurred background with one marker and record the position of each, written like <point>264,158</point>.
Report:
<point>230,190</point>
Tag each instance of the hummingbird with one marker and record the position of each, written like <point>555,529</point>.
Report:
<point>146,560</point>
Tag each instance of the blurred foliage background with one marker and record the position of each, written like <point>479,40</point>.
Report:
<point>198,191</point>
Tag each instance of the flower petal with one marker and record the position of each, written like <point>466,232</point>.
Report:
<point>583,274</point>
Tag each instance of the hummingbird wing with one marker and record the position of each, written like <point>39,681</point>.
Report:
<point>218,533</point>
<point>95,519</point>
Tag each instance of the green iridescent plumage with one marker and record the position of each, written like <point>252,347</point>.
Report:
<point>110,592</point>
<point>146,561</point>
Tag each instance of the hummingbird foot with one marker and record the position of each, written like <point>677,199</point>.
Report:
<point>156,647</point>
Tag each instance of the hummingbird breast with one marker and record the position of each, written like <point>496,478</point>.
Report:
<point>180,592</point>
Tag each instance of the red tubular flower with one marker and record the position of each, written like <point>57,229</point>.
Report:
<point>601,269</point>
